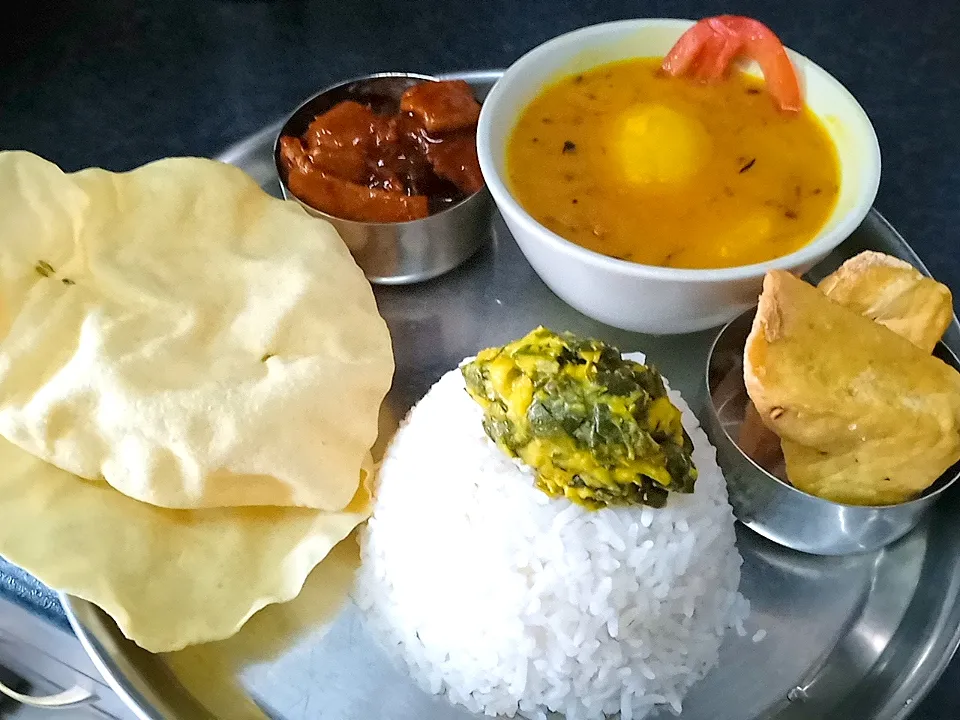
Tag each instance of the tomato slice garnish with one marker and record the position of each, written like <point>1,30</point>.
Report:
<point>685,53</point>
<point>706,67</point>
<point>707,50</point>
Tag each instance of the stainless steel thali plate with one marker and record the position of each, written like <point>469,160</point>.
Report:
<point>853,637</point>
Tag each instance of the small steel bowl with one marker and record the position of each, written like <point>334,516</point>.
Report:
<point>402,252</point>
<point>774,508</point>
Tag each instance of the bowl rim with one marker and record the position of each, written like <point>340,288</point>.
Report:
<point>288,194</point>
<point>814,250</point>
<point>923,499</point>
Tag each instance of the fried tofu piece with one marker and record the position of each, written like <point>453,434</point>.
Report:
<point>894,294</point>
<point>442,106</point>
<point>293,155</point>
<point>350,201</point>
<point>455,159</point>
<point>346,163</point>
<point>865,416</point>
<point>346,124</point>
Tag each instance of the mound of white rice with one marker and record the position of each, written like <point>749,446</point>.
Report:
<point>510,601</point>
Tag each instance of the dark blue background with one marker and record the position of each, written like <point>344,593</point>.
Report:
<point>117,83</point>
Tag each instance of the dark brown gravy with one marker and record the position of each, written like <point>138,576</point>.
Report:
<point>376,162</point>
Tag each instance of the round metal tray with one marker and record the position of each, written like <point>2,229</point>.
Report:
<point>852,637</point>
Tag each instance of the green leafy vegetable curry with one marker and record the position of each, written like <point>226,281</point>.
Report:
<point>598,429</point>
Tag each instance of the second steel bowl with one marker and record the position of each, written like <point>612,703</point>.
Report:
<point>394,253</point>
<point>775,509</point>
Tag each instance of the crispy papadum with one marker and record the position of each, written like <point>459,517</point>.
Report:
<point>893,293</point>
<point>184,336</point>
<point>865,416</point>
<point>170,578</point>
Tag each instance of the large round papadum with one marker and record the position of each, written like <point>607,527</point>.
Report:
<point>169,578</point>
<point>180,334</point>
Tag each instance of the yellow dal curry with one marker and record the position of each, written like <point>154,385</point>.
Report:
<point>630,163</point>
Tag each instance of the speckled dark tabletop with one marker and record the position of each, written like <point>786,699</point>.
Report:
<point>117,83</point>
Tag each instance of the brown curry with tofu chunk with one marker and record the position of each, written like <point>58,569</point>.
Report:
<point>355,164</point>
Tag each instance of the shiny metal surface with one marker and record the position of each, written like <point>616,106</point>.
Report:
<point>403,252</point>
<point>775,509</point>
<point>848,638</point>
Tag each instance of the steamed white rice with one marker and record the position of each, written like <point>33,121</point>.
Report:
<point>510,601</point>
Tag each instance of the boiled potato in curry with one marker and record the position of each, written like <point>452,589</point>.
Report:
<point>631,163</point>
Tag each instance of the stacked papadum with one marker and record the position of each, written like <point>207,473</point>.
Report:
<point>190,378</point>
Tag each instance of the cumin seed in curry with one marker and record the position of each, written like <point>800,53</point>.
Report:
<point>634,164</point>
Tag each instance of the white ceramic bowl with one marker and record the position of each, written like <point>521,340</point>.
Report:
<point>646,298</point>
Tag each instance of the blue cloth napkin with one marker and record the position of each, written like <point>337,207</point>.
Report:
<point>20,587</point>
